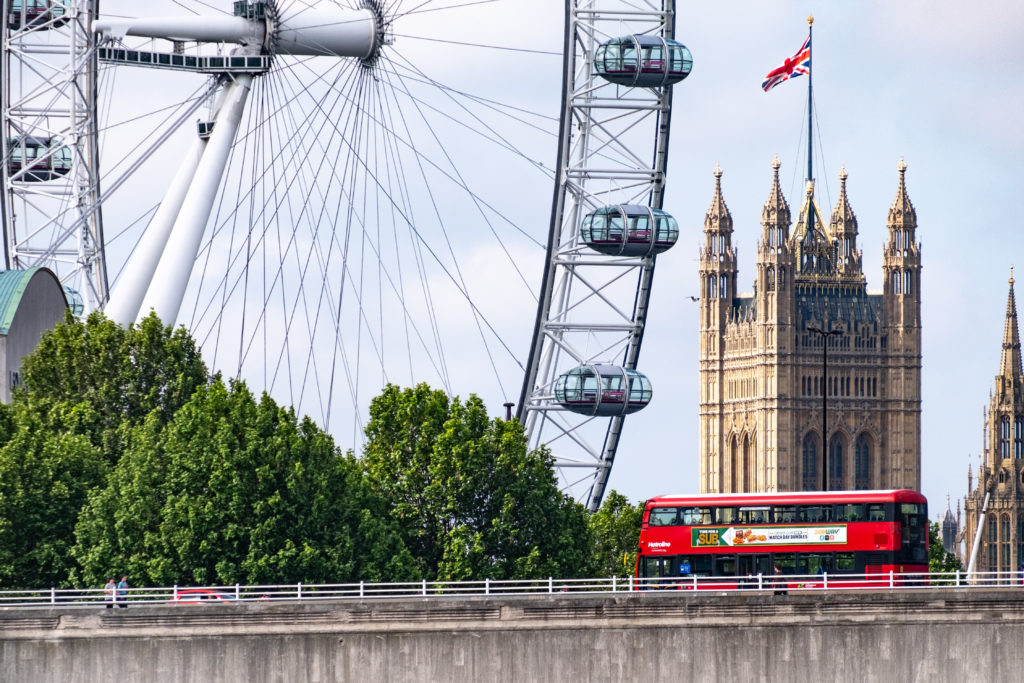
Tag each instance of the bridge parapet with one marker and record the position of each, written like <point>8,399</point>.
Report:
<point>886,636</point>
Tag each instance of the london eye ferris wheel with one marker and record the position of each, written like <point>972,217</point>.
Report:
<point>335,195</point>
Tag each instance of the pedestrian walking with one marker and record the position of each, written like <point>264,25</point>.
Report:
<point>122,592</point>
<point>108,592</point>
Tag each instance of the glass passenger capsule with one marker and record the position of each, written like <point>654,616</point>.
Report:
<point>603,390</point>
<point>35,159</point>
<point>75,301</point>
<point>629,230</point>
<point>643,61</point>
<point>40,14</point>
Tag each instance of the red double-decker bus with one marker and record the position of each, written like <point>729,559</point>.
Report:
<point>836,533</point>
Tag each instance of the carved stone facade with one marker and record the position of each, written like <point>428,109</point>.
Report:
<point>763,366</point>
<point>1001,474</point>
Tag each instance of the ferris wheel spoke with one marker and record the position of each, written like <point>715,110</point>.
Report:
<point>441,225</point>
<point>361,229</point>
<point>291,141</point>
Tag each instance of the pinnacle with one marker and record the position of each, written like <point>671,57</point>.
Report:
<point>718,218</point>
<point>1010,364</point>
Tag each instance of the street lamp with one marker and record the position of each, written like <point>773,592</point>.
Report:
<point>824,401</point>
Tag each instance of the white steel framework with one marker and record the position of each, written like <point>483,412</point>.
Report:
<point>613,149</point>
<point>339,211</point>
<point>49,93</point>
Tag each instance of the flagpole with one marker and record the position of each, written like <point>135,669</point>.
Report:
<point>810,99</point>
<point>810,118</point>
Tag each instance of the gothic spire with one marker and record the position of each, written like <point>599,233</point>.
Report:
<point>775,215</point>
<point>718,219</point>
<point>815,252</point>
<point>843,227</point>
<point>1010,364</point>
<point>902,215</point>
<point>843,222</point>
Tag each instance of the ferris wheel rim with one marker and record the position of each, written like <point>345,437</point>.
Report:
<point>540,409</point>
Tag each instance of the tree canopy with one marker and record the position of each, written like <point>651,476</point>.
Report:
<point>235,490</point>
<point>86,384</point>
<point>615,529</point>
<point>120,376</point>
<point>121,455</point>
<point>470,499</point>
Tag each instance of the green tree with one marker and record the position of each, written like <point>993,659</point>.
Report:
<point>86,383</point>
<point>615,528</point>
<point>123,374</point>
<point>471,500</point>
<point>235,490</point>
<point>938,559</point>
<point>45,477</point>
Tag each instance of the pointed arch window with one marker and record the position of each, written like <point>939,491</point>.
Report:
<point>835,463</point>
<point>770,278</point>
<point>907,278</point>
<point>1004,437</point>
<point>748,465</point>
<point>782,277</point>
<point>734,464</point>
<point>712,286</point>
<point>723,288</point>
<point>896,282</point>
<point>1020,539</point>
<point>1018,442</point>
<point>810,463</point>
<point>862,464</point>
<point>1004,538</point>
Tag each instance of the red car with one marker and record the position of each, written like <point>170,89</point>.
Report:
<point>201,596</point>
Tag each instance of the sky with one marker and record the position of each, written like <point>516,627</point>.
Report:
<point>938,85</point>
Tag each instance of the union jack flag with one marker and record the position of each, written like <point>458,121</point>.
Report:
<point>797,65</point>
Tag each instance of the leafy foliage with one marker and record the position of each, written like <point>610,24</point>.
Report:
<point>615,528</point>
<point>938,559</point>
<point>237,491</point>
<point>470,500</point>
<point>122,375</point>
<point>87,382</point>
<point>121,456</point>
<point>45,477</point>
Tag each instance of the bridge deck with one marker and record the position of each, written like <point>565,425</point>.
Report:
<point>653,635</point>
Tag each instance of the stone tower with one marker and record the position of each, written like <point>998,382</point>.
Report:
<point>765,386</point>
<point>1001,474</point>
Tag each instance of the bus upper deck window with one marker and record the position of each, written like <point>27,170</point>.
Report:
<point>725,516</point>
<point>910,509</point>
<point>691,516</point>
<point>754,515</point>
<point>849,513</point>
<point>785,514</point>
<point>816,513</point>
<point>876,512</point>
<point>663,517</point>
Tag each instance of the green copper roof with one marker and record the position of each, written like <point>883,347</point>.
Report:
<point>12,286</point>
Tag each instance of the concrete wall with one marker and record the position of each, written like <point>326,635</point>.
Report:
<point>651,636</point>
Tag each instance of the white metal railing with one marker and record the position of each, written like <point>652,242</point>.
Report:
<point>182,595</point>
